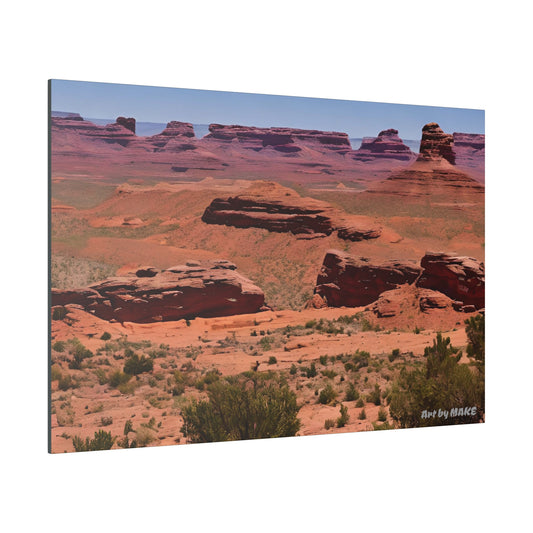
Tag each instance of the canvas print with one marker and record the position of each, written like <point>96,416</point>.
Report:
<point>231,266</point>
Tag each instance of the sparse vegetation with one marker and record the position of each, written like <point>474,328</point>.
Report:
<point>102,441</point>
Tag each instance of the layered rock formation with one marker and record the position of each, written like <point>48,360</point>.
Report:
<point>433,173</point>
<point>387,145</point>
<point>435,144</point>
<point>460,278</point>
<point>196,289</point>
<point>287,140</point>
<point>276,208</point>
<point>348,281</point>
<point>85,132</point>
<point>443,281</point>
<point>469,150</point>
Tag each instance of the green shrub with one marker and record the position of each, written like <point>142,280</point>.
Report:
<point>102,441</point>
<point>252,405</point>
<point>362,415</point>
<point>272,360</point>
<point>323,360</point>
<point>475,331</point>
<point>136,365</point>
<point>327,394</point>
<point>382,415</point>
<point>59,346</point>
<point>293,370</point>
<point>118,378</point>
<point>344,418</point>
<point>394,355</point>
<point>310,372</point>
<point>105,336</point>
<point>375,396</point>
<point>443,384</point>
<point>360,403</point>
<point>351,393</point>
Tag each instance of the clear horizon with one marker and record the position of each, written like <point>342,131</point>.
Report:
<point>162,105</point>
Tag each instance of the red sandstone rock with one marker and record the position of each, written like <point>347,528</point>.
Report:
<point>429,299</point>
<point>206,289</point>
<point>436,144</point>
<point>352,282</point>
<point>460,278</point>
<point>276,208</point>
<point>387,145</point>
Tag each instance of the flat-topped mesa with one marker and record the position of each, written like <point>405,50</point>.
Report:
<point>196,289</point>
<point>436,145</point>
<point>461,278</point>
<point>387,145</point>
<point>115,133</point>
<point>279,209</point>
<point>349,281</point>
<point>287,140</point>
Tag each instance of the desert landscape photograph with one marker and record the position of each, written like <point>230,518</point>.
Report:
<point>233,266</point>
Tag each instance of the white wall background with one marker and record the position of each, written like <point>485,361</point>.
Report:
<point>454,53</point>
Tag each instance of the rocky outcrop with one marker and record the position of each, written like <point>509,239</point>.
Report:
<point>287,140</point>
<point>348,281</point>
<point>387,145</point>
<point>433,174</point>
<point>461,278</point>
<point>196,289</point>
<point>128,123</point>
<point>116,133</point>
<point>436,144</point>
<point>442,281</point>
<point>275,208</point>
<point>469,150</point>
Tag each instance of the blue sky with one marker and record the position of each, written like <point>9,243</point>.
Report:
<point>162,104</point>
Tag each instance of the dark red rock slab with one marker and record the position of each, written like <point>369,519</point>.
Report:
<point>459,277</point>
<point>348,281</point>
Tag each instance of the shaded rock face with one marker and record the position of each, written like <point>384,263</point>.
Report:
<point>436,144</point>
<point>276,208</point>
<point>460,278</point>
<point>442,281</point>
<point>196,289</point>
<point>128,123</point>
<point>387,145</point>
<point>352,282</point>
